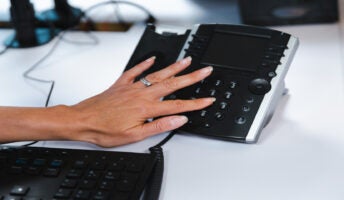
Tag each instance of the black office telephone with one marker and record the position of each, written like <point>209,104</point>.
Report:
<point>250,65</point>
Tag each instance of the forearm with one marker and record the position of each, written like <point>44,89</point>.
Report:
<point>22,124</point>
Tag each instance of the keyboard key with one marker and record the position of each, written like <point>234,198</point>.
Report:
<point>106,185</point>
<point>116,166</point>
<point>19,190</point>
<point>127,183</point>
<point>11,198</point>
<point>69,183</point>
<point>16,170</point>
<point>33,170</point>
<point>63,193</point>
<point>21,161</point>
<point>135,166</point>
<point>92,174</point>
<point>39,162</point>
<point>51,172</point>
<point>80,164</point>
<point>87,184</point>
<point>74,174</point>
<point>111,176</point>
<point>98,166</point>
<point>56,163</point>
<point>101,195</point>
<point>82,195</point>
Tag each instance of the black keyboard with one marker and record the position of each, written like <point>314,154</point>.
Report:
<point>37,173</point>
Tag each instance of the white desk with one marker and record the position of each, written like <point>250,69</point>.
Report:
<point>300,154</point>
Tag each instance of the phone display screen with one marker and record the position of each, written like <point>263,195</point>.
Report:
<point>235,51</point>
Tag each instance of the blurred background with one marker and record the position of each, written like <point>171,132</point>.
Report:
<point>187,12</point>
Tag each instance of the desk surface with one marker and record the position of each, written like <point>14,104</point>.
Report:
<point>300,154</point>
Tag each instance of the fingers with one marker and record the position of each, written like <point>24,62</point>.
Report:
<point>160,125</point>
<point>167,72</point>
<point>130,75</point>
<point>170,107</point>
<point>170,71</point>
<point>172,84</point>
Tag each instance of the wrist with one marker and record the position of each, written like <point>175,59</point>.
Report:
<point>23,124</point>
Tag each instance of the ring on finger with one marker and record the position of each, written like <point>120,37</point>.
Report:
<point>145,82</point>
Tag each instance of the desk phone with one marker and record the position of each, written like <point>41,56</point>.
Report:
<point>250,65</point>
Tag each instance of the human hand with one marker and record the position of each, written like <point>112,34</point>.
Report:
<point>119,115</point>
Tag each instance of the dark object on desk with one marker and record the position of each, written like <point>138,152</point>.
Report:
<point>284,12</point>
<point>47,173</point>
<point>63,16</point>
<point>24,22</point>
<point>250,65</point>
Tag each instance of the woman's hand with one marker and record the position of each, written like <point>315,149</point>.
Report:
<point>119,115</point>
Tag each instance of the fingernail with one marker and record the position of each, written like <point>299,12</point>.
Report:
<point>212,99</point>
<point>151,59</point>
<point>179,120</point>
<point>186,60</point>
<point>207,70</point>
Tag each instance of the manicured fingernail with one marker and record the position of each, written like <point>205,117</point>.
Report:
<point>186,60</point>
<point>179,120</point>
<point>150,59</point>
<point>212,99</point>
<point>207,70</point>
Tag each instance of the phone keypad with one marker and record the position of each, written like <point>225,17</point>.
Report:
<point>224,91</point>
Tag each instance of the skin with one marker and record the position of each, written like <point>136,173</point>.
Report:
<point>114,117</point>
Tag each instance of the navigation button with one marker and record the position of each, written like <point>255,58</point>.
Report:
<point>259,86</point>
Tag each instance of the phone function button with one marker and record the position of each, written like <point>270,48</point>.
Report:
<point>212,92</point>
<point>207,125</point>
<point>203,113</point>
<point>228,95</point>
<point>198,90</point>
<point>240,120</point>
<point>204,81</point>
<point>259,86</point>
<point>219,116</point>
<point>172,97</point>
<point>246,108</point>
<point>223,105</point>
<point>250,100</point>
<point>233,84</point>
<point>272,74</point>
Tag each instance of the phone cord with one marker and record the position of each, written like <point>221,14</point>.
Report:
<point>153,188</point>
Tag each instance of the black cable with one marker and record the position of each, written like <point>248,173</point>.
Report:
<point>154,184</point>
<point>94,39</point>
<point>150,19</point>
<point>4,50</point>
<point>166,139</point>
